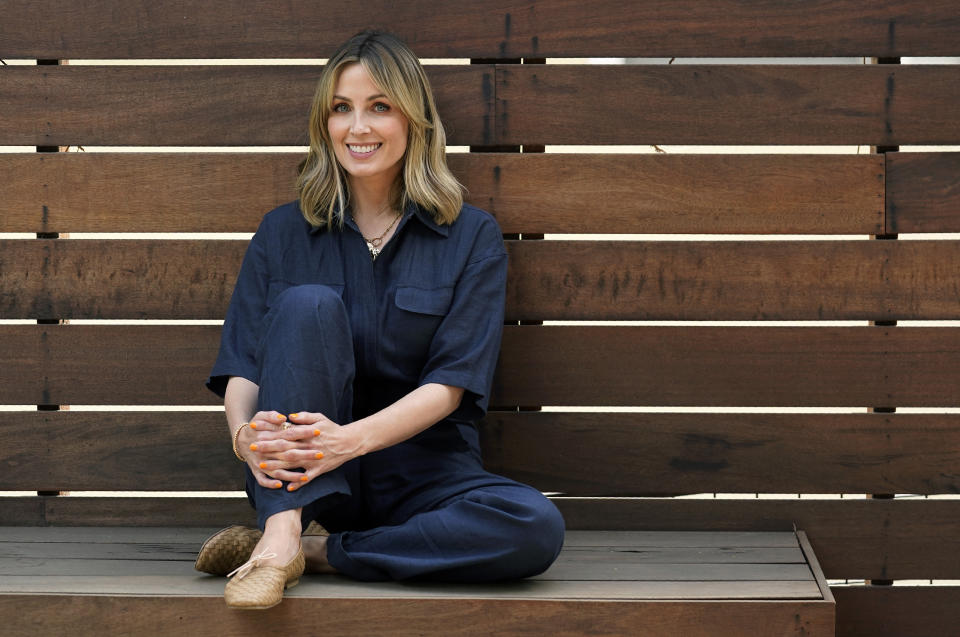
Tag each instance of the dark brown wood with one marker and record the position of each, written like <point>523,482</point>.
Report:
<point>548,280</point>
<point>755,280</point>
<point>663,193</point>
<point>905,611</point>
<point>459,615</point>
<point>503,28</point>
<point>708,366</point>
<point>923,192</point>
<point>229,192</point>
<point>201,105</point>
<point>143,192</point>
<point>606,454</point>
<point>758,104</point>
<point>853,538</point>
<point>735,366</point>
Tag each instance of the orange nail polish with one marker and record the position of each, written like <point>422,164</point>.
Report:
<point>278,485</point>
<point>319,455</point>
<point>263,465</point>
<point>291,488</point>
<point>253,447</point>
<point>294,415</point>
<point>316,432</point>
<point>303,478</point>
<point>281,417</point>
<point>253,425</point>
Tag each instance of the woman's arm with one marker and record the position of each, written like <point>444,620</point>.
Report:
<point>240,404</point>
<point>318,445</point>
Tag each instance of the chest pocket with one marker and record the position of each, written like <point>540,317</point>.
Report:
<point>417,315</point>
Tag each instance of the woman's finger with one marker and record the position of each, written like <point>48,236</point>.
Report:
<point>267,421</point>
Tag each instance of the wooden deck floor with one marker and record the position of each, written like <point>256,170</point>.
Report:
<point>705,577</point>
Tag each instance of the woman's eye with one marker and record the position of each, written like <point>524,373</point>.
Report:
<point>340,108</point>
<point>380,107</point>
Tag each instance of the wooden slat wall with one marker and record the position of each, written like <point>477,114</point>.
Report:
<point>548,280</point>
<point>621,193</point>
<point>495,28</point>
<point>499,102</point>
<point>496,104</point>
<point>656,366</point>
<point>612,454</point>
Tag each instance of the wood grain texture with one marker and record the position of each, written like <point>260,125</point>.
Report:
<point>905,611</point>
<point>923,193</point>
<point>709,104</point>
<point>547,280</point>
<point>501,28</point>
<point>143,192</point>
<point>852,538</point>
<point>706,366</point>
<point>611,454</point>
<point>201,105</point>
<point>459,616</point>
<point>736,366</point>
<point>600,454</point>
<point>229,192</point>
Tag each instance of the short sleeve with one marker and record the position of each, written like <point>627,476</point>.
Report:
<point>238,340</point>
<point>466,345</point>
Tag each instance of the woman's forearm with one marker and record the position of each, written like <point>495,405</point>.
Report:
<point>240,401</point>
<point>415,412</point>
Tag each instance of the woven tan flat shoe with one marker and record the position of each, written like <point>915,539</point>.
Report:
<point>256,587</point>
<point>226,550</point>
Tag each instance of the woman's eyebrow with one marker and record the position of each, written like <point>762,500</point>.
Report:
<point>369,99</point>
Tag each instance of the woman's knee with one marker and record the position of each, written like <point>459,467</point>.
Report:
<point>305,297</point>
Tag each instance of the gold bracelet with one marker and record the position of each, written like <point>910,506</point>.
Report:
<point>236,437</point>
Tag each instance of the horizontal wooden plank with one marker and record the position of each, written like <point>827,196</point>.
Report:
<point>181,549</point>
<point>852,538</point>
<point>729,366</point>
<point>483,104</point>
<point>607,454</point>
<point>708,366</point>
<point>905,611</point>
<point>502,28</point>
<point>229,192</point>
<point>201,105</point>
<point>710,104</point>
<point>387,615</point>
<point>547,280</point>
<point>922,192</point>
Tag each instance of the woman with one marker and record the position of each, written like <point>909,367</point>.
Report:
<point>358,353</point>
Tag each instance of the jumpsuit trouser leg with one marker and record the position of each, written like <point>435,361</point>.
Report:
<point>305,356</point>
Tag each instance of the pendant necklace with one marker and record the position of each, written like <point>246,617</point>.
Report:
<point>373,245</point>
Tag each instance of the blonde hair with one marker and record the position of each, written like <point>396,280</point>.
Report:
<point>425,179</point>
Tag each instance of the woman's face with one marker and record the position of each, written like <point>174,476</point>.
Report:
<point>368,132</point>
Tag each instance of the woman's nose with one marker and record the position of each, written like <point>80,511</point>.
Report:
<point>359,124</point>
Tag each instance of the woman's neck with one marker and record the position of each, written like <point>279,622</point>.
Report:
<point>370,200</point>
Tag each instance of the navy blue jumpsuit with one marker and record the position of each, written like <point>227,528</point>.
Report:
<point>321,327</point>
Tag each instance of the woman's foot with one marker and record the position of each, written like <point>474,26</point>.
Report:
<point>226,550</point>
<point>277,563</point>
<point>315,552</point>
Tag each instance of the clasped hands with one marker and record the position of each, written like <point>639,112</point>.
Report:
<point>294,449</point>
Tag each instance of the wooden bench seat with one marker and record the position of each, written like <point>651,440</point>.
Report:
<point>146,574</point>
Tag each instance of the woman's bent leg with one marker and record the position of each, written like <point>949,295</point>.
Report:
<point>498,532</point>
<point>306,364</point>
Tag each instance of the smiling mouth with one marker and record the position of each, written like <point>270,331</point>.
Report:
<point>364,148</point>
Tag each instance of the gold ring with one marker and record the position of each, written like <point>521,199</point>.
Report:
<point>285,426</point>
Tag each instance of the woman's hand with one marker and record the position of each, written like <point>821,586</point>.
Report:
<point>311,442</point>
<point>247,444</point>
